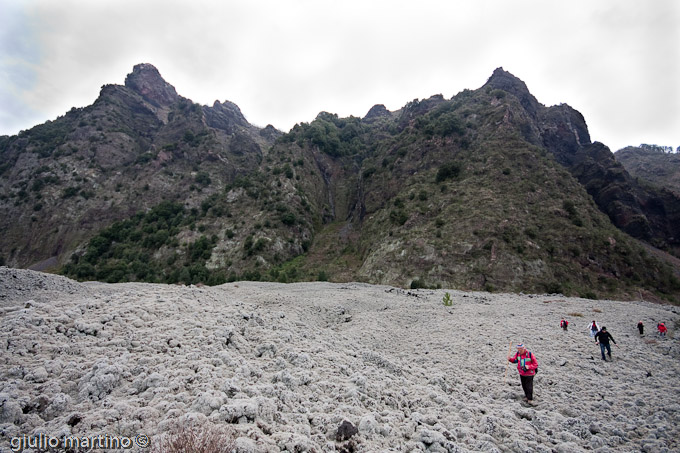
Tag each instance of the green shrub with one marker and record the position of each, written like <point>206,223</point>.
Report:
<point>553,287</point>
<point>70,192</point>
<point>248,243</point>
<point>288,218</point>
<point>398,216</point>
<point>288,171</point>
<point>448,124</point>
<point>447,300</point>
<point>202,178</point>
<point>368,172</point>
<point>259,245</point>
<point>448,171</point>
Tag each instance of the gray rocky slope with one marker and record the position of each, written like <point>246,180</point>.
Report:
<point>283,366</point>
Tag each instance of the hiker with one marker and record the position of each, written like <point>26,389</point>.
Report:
<point>661,327</point>
<point>641,328</point>
<point>602,338</point>
<point>564,324</point>
<point>593,329</point>
<point>526,365</point>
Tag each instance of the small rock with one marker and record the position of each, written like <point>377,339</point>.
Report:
<point>345,431</point>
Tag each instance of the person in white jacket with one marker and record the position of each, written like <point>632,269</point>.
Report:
<point>593,328</point>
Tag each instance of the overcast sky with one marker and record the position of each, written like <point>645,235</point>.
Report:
<point>284,61</point>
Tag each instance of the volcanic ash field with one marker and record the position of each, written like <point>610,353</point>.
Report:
<point>322,367</point>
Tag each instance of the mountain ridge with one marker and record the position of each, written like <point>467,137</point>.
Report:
<point>653,165</point>
<point>487,190</point>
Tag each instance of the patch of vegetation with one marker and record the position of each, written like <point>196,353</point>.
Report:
<point>47,137</point>
<point>202,178</point>
<point>70,192</point>
<point>127,251</point>
<point>332,135</point>
<point>204,438</point>
<point>290,271</point>
<point>449,170</point>
<point>446,300</point>
<point>398,216</point>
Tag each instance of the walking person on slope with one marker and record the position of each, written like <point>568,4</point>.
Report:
<point>593,328</point>
<point>641,328</point>
<point>661,327</point>
<point>602,338</point>
<point>564,324</point>
<point>526,365</point>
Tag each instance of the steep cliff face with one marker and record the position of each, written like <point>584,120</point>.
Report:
<point>642,211</point>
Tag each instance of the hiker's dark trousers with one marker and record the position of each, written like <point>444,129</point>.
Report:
<point>609,349</point>
<point>527,386</point>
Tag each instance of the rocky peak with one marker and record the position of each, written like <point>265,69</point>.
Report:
<point>226,116</point>
<point>270,132</point>
<point>417,108</point>
<point>147,81</point>
<point>503,80</point>
<point>377,111</point>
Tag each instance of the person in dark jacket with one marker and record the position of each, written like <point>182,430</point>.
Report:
<point>602,338</point>
<point>526,365</point>
<point>641,328</point>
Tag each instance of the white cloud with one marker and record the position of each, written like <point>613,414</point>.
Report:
<point>616,61</point>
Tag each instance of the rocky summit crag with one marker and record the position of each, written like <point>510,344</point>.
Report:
<point>487,190</point>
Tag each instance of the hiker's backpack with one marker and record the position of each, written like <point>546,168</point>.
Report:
<point>531,356</point>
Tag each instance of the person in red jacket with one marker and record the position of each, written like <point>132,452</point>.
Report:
<point>526,365</point>
<point>662,329</point>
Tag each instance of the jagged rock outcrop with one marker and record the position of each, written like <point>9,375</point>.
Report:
<point>564,132</point>
<point>270,132</point>
<point>225,116</point>
<point>503,80</point>
<point>377,111</point>
<point>147,81</point>
<point>417,108</point>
